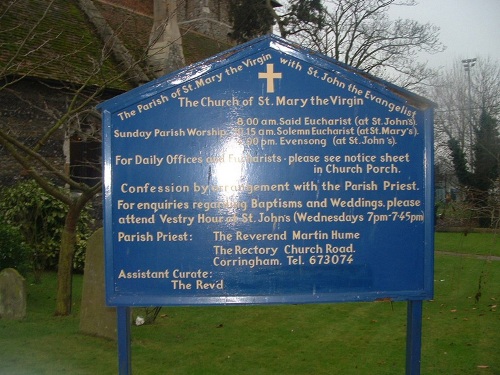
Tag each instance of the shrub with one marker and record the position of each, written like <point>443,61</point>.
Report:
<point>14,253</point>
<point>40,218</point>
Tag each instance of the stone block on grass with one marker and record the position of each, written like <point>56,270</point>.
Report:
<point>13,294</point>
<point>96,318</point>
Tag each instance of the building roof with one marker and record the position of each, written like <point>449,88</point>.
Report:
<point>55,40</point>
<point>51,40</point>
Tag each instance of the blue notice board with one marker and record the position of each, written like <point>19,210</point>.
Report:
<point>267,174</point>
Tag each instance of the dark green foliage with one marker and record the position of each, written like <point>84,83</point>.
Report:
<point>486,158</point>
<point>459,161</point>
<point>13,251</point>
<point>486,153</point>
<point>40,219</point>
<point>250,19</point>
<point>309,12</point>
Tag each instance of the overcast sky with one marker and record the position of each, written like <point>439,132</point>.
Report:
<point>469,28</point>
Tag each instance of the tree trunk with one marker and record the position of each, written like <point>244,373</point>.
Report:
<point>65,265</point>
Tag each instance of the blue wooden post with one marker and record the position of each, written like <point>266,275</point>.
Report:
<point>413,337</point>
<point>123,322</point>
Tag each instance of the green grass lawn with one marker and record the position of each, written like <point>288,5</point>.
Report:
<point>472,243</point>
<point>460,331</point>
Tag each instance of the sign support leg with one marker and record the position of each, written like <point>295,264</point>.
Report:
<point>123,323</point>
<point>413,337</point>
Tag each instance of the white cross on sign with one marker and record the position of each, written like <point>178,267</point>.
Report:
<point>270,75</point>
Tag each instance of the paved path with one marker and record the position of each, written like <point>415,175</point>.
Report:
<point>485,257</point>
